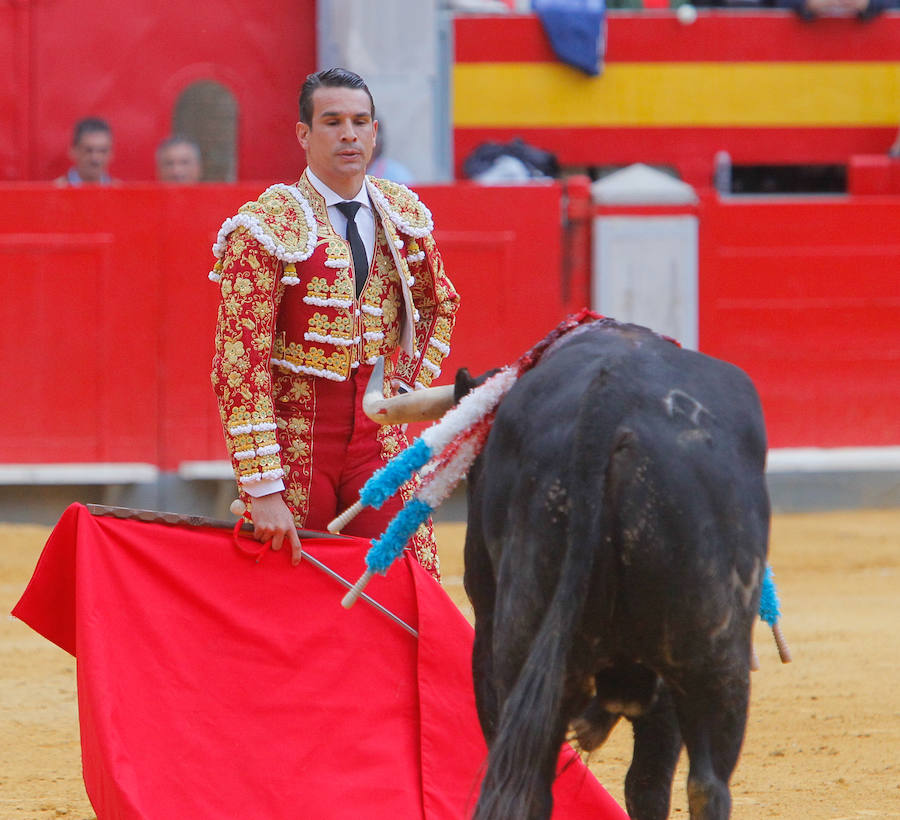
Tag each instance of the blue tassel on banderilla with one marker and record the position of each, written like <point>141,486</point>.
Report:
<point>447,449</point>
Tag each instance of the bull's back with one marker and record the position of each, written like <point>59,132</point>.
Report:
<point>665,445</point>
<point>623,375</point>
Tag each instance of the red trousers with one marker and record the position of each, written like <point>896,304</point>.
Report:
<point>330,448</point>
<point>347,450</point>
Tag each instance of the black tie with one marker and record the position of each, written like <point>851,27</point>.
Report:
<point>360,260</point>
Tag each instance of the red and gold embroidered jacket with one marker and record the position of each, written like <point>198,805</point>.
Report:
<point>288,304</point>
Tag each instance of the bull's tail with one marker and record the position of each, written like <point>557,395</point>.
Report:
<point>523,756</point>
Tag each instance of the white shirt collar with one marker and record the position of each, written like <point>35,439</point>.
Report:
<point>332,197</point>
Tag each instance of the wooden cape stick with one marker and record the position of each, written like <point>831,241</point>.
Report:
<point>177,520</point>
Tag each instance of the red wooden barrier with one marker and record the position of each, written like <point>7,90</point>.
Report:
<point>107,317</point>
<point>805,295</point>
<point>107,322</point>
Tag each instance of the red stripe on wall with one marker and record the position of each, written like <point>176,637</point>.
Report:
<point>717,36</point>
<point>689,149</point>
<point>501,40</point>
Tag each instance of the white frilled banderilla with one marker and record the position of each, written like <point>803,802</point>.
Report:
<point>442,455</point>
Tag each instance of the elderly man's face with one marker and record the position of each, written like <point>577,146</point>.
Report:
<point>91,155</point>
<point>178,163</point>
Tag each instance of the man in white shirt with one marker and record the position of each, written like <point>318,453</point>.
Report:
<point>318,280</point>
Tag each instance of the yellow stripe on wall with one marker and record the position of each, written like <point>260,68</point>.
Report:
<point>498,95</point>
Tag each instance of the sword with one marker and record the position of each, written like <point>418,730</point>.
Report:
<point>178,520</point>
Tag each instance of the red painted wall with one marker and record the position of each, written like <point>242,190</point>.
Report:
<point>107,322</point>
<point>129,61</point>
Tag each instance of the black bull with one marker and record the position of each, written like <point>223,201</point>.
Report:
<point>616,544</point>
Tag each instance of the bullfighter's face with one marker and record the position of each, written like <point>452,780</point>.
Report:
<point>340,138</point>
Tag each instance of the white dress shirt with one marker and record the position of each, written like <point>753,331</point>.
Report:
<point>365,216</point>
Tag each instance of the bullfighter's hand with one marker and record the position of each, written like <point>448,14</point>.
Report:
<point>272,519</point>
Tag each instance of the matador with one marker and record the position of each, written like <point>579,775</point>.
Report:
<point>300,325</point>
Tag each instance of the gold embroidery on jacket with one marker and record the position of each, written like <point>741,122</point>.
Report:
<point>267,438</point>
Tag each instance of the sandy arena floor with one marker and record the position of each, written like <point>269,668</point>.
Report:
<point>823,741</point>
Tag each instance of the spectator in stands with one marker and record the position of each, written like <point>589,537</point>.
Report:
<point>91,153</point>
<point>384,167</point>
<point>894,150</point>
<point>178,160</point>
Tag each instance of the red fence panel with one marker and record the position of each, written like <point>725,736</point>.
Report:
<point>107,316</point>
<point>502,250</point>
<point>107,321</point>
<point>805,296</point>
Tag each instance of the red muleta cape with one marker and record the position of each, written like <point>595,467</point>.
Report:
<point>210,686</point>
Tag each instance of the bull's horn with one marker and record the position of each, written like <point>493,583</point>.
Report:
<point>419,405</point>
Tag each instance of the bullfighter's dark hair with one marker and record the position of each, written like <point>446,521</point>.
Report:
<point>329,78</point>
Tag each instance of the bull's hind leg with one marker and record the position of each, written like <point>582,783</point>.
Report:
<point>712,712</point>
<point>657,744</point>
